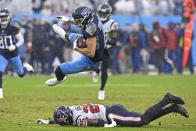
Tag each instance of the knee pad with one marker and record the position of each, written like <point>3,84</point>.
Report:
<point>59,74</point>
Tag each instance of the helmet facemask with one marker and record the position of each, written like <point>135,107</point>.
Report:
<point>63,116</point>
<point>79,23</point>
<point>103,15</point>
<point>104,11</point>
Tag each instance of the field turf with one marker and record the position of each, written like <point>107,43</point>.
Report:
<point>28,99</point>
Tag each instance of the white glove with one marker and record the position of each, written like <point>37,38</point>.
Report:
<point>113,124</point>
<point>156,38</point>
<point>62,18</point>
<point>11,47</point>
<point>75,43</point>
<point>41,121</point>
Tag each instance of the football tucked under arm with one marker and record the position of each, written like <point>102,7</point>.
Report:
<point>81,42</point>
<point>83,121</point>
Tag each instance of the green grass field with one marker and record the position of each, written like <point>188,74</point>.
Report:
<point>28,99</point>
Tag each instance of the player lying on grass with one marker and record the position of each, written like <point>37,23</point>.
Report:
<point>116,114</point>
<point>92,55</point>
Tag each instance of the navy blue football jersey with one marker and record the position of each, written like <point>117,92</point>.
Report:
<point>95,29</point>
<point>7,38</point>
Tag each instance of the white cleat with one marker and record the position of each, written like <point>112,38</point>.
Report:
<point>54,81</point>
<point>95,77</point>
<point>101,95</point>
<point>1,93</point>
<point>28,67</point>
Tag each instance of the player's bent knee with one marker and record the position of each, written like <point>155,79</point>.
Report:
<point>59,74</point>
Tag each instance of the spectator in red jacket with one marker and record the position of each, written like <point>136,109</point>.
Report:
<point>158,43</point>
<point>171,45</point>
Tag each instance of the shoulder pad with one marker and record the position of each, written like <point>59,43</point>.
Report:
<point>91,28</point>
<point>114,25</point>
<point>15,24</point>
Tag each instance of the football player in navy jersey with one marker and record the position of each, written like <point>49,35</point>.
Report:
<point>92,31</point>
<point>10,40</point>
<point>110,28</point>
<point>114,115</point>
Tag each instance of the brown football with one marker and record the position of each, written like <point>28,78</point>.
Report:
<point>81,42</point>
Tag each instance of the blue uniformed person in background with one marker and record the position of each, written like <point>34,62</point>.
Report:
<point>92,31</point>
<point>10,40</point>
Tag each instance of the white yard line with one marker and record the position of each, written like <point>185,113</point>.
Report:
<point>97,85</point>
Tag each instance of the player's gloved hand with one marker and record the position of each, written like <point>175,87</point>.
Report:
<point>113,124</point>
<point>63,18</point>
<point>41,121</point>
<point>11,47</point>
<point>75,43</point>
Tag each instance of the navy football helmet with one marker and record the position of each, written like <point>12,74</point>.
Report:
<point>4,17</point>
<point>63,115</point>
<point>104,11</point>
<point>82,16</point>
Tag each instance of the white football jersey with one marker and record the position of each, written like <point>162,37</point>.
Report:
<point>109,26</point>
<point>90,111</point>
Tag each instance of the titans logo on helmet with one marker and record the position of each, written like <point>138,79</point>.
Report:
<point>86,12</point>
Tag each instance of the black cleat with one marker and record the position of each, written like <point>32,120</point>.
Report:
<point>182,111</point>
<point>174,99</point>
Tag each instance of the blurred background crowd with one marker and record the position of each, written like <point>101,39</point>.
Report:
<point>138,52</point>
<point>128,7</point>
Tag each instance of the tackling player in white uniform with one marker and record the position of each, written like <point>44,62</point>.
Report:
<point>110,27</point>
<point>113,115</point>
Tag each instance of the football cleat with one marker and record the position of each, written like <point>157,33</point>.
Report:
<point>1,93</point>
<point>174,99</point>
<point>28,67</point>
<point>95,77</point>
<point>59,31</point>
<point>101,95</point>
<point>54,81</point>
<point>182,111</point>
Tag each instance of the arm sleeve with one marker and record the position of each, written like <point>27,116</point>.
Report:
<point>20,39</point>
